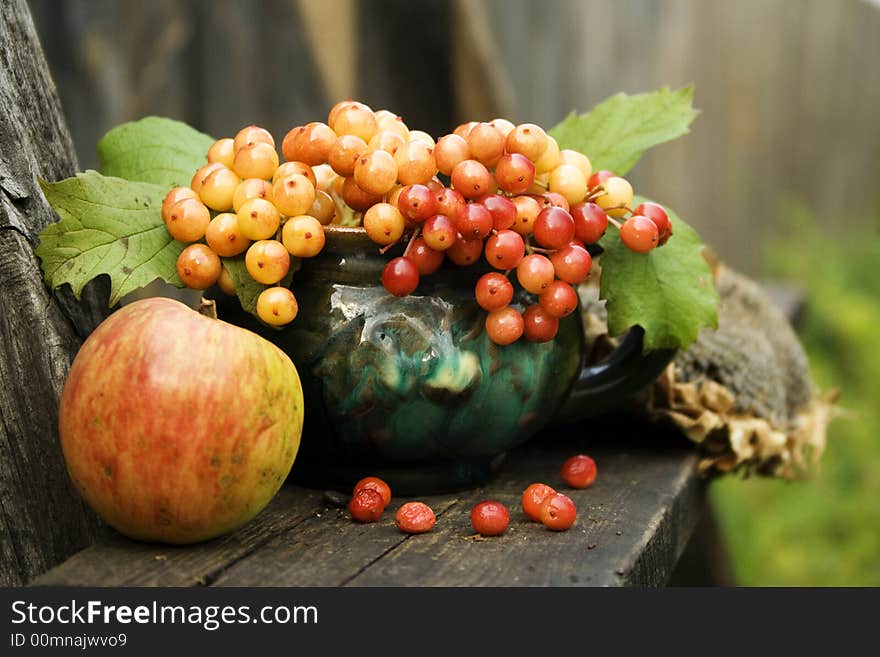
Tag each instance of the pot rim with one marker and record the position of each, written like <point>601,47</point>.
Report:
<point>353,240</point>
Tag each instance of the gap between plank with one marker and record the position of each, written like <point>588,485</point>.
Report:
<point>211,577</point>
<point>406,537</point>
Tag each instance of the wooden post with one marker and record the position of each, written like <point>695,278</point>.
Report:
<point>42,519</point>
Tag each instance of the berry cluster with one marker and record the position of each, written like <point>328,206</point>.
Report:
<point>492,190</point>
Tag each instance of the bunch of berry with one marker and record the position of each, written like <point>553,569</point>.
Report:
<point>511,196</point>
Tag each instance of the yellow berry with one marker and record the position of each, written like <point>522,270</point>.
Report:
<point>258,219</point>
<point>277,306</point>
<point>267,261</point>
<point>303,236</point>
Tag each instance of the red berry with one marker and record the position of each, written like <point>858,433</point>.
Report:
<point>439,232</point>
<point>558,299</point>
<point>639,234</point>
<point>554,199</point>
<point>599,177</point>
<point>515,173</point>
<point>504,326</point>
<point>505,249</point>
<point>449,202</point>
<point>579,471</point>
<point>533,497</point>
<point>465,252</point>
<point>376,484</point>
<point>490,518</point>
<point>417,202</point>
<point>474,221</point>
<point>590,222</point>
<point>501,208</point>
<point>415,518</point>
<point>558,512</point>
<point>538,324</point>
<point>426,259</point>
<point>366,505</point>
<point>400,277</point>
<point>572,263</point>
<point>434,185</point>
<point>656,213</point>
<point>493,291</point>
<point>471,178</point>
<point>535,272</point>
<point>554,228</point>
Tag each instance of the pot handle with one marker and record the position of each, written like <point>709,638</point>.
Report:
<point>626,371</point>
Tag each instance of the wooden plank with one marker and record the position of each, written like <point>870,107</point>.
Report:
<point>332,21</point>
<point>483,86</point>
<point>118,561</point>
<point>326,550</point>
<point>403,61</point>
<point>42,519</point>
<point>633,525</point>
<point>255,65</point>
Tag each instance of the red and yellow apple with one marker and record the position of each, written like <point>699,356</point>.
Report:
<point>177,427</point>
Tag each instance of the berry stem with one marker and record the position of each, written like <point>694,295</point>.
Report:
<point>542,185</point>
<point>618,207</point>
<point>412,239</point>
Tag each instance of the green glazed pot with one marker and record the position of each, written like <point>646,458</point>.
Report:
<point>411,389</point>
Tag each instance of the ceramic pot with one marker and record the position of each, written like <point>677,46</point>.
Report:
<point>411,389</point>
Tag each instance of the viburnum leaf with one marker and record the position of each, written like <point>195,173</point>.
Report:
<point>616,133</point>
<point>154,150</point>
<point>108,226</point>
<point>246,288</point>
<point>669,291</point>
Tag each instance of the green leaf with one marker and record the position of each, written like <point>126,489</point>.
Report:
<point>108,226</point>
<point>154,150</point>
<point>246,288</point>
<point>669,291</point>
<point>617,131</point>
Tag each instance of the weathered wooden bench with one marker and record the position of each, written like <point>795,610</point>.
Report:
<point>633,525</point>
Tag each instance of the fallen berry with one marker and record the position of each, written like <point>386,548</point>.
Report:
<point>558,512</point>
<point>366,505</point>
<point>533,497</point>
<point>490,518</point>
<point>376,484</point>
<point>579,471</point>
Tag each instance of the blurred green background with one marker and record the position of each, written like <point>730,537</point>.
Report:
<point>779,174</point>
<point>826,531</point>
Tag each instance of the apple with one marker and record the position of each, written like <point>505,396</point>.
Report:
<point>177,427</point>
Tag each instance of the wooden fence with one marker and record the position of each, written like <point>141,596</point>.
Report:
<point>789,89</point>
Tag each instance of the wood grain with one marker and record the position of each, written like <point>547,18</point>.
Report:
<point>42,519</point>
<point>632,527</point>
<point>118,561</point>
